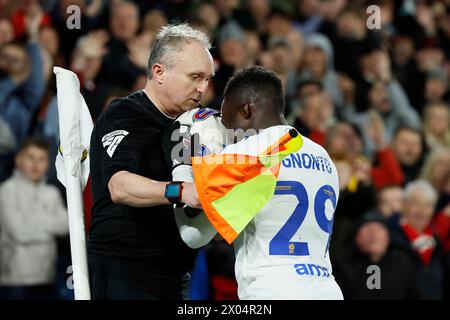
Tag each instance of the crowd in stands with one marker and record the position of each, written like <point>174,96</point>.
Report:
<point>377,99</point>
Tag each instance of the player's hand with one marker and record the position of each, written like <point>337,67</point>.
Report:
<point>189,196</point>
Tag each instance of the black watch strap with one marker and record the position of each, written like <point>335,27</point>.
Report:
<point>174,191</point>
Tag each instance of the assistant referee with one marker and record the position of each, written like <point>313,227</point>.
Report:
<point>134,248</point>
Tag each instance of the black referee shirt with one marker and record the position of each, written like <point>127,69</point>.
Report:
<point>129,136</point>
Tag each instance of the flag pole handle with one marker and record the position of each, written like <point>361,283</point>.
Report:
<point>275,147</point>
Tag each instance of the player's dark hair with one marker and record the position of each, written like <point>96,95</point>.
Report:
<point>256,85</point>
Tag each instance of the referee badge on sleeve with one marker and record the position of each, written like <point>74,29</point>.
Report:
<point>112,140</point>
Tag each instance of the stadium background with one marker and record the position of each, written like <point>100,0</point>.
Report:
<point>376,99</point>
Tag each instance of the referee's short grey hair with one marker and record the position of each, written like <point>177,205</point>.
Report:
<point>422,186</point>
<point>171,39</point>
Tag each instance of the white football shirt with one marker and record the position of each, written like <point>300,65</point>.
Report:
<point>283,251</point>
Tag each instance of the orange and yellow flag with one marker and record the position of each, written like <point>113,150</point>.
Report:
<point>233,188</point>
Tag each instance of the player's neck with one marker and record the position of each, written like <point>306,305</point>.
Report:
<point>271,121</point>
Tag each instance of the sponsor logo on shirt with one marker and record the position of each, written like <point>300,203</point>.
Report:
<point>309,269</point>
<point>112,140</point>
<point>203,114</point>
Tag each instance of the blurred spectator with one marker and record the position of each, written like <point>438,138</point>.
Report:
<point>318,65</point>
<point>22,81</point>
<point>126,60</point>
<point>387,13</point>
<point>417,20</point>
<point>330,11</point>
<point>393,98</point>
<point>91,12</point>
<point>28,9</point>
<point>387,170</point>
<point>304,89</point>
<point>344,141</point>
<point>390,201</point>
<point>86,62</point>
<point>280,23</point>
<point>207,13</point>
<point>279,59</point>
<point>232,48</point>
<point>51,53</point>
<point>27,241</point>
<point>21,84</point>
<point>383,94</point>
<point>351,39</point>
<point>407,145</point>
<point>6,31</point>
<point>314,116</point>
<point>441,226</point>
<point>153,21</point>
<point>226,9</point>
<point>405,69</point>
<point>436,170</point>
<point>7,140</point>
<point>357,194</point>
<point>307,87</point>
<point>232,56</point>
<point>7,7</point>
<point>309,16</point>
<point>254,47</point>
<point>430,62</point>
<point>253,15</point>
<point>443,21</point>
<point>372,247</point>
<point>436,125</point>
<point>412,234</point>
<point>436,87</point>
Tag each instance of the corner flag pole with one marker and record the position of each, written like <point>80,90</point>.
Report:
<point>72,165</point>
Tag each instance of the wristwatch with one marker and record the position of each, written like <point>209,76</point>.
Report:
<point>173,191</point>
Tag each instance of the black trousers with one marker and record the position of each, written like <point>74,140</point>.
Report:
<point>112,279</point>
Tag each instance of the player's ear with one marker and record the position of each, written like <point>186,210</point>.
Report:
<point>246,111</point>
<point>158,72</point>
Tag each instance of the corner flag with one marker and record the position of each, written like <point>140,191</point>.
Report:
<point>72,166</point>
<point>233,192</point>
